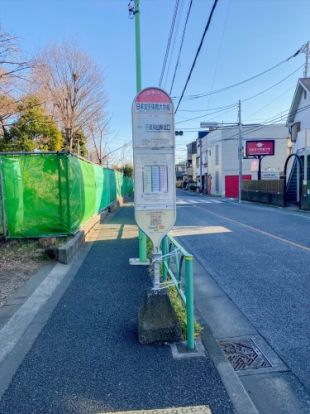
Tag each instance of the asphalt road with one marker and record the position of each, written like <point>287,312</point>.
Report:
<point>87,359</point>
<point>260,256</point>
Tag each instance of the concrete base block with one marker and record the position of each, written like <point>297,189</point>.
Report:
<point>158,321</point>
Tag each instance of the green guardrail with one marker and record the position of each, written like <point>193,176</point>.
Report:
<point>178,269</point>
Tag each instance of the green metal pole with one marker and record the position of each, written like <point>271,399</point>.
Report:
<point>189,302</point>
<point>142,236</point>
<point>138,46</point>
<point>165,251</point>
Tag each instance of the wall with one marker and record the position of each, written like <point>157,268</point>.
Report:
<point>304,118</point>
<point>227,140</point>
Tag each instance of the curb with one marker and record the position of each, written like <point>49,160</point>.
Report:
<point>64,254</point>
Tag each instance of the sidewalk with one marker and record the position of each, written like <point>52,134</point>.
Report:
<point>87,358</point>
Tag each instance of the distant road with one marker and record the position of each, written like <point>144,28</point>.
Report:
<point>260,256</point>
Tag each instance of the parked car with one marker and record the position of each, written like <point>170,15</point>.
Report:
<point>191,186</point>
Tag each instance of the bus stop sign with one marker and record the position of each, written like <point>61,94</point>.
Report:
<point>154,163</point>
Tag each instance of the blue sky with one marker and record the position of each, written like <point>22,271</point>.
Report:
<point>245,38</point>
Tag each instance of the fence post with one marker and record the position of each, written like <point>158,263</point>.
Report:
<point>190,319</point>
<point>66,159</point>
<point>2,206</point>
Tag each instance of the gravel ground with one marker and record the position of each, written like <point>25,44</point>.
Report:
<point>19,260</point>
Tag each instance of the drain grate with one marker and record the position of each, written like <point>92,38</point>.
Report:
<point>244,354</point>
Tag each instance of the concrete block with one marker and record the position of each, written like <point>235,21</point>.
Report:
<point>67,251</point>
<point>158,321</point>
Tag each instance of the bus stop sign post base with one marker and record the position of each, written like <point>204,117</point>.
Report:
<point>142,260</point>
<point>156,263</point>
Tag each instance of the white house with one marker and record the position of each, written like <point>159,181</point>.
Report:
<point>299,117</point>
<point>220,164</point>
<point>298,122</point>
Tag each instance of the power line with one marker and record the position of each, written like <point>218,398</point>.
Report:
<point>208,114</point>
<point>207,109</point>
<point>276,119</point>
<point>201,95</point>
<point>275,99</point>
<point>169,41</point>
<point>197,53</point>
<point>227,107</point>
<point>220,48</point>
<point>181,46</point>
<point>173,44</point>
<point>274,85</point>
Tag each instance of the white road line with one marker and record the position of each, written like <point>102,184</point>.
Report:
<point>205,202</point>
<point>265,233</point>
<point>181,202</point>
<point>187,201</point>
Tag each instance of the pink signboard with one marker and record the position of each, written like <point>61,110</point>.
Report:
<point>257,148</point>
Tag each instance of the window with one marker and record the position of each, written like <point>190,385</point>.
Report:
<point>307,137</point>
<point>295,128</point>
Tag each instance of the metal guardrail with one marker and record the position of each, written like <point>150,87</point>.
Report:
<point>178,269</point>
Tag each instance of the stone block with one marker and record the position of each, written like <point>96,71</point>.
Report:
<point>158,321</point>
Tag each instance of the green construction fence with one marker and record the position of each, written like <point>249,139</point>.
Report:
<point>53,194</point>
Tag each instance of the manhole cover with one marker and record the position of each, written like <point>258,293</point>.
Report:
<point>244,354</point>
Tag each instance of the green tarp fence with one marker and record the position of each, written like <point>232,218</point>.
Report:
<point>53,193</point>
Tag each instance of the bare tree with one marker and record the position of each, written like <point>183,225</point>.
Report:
<point>72,86</point>
<point>13,69</point>
<point>11,64</point>
<point>99,140</point>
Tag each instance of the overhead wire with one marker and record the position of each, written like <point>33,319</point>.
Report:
<point>173,43</point>
<point>273,100</point>
<point>276,119</point>
<point>208,114</point>
<point>220,48</point>
<point>274,85</point>
<point>245,99</point>
<point>207,109</point>
<point>181,46</point>
<point>201,95</point>
<point>169,41</point>
<point>197,53</point>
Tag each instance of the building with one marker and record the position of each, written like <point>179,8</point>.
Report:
<point>220,163</point>
<point>299,117</point>
<point>191,161</point>
<point>298,122</point>
<point>180,173</point>
<point>201,161</point>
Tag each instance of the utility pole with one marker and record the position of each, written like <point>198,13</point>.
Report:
<point>240,150</point>
<point>200,164</point>
<point>306,50</point>
<point>136,12</point>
